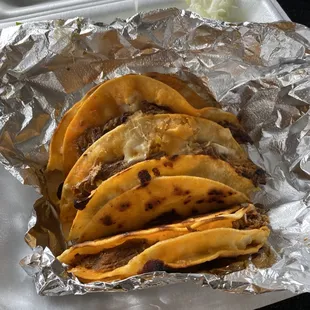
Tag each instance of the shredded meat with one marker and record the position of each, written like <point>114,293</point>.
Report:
<point>250,171</point>
<point>112,258</point>
<point>246,168</point>
<point>91,135</point>
<point>102,172</point>
<point>252,220</point>
<point>118,256</point>
<point>237,132</point>
<point>152,108</point>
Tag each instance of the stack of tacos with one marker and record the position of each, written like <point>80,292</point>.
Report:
<point>147,176</point>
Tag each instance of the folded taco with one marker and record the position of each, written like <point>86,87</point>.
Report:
<point>114,101</point>
<point>163,199</point>
<point>55,161</point>
<point>234,232</point>
<point>142,173</point>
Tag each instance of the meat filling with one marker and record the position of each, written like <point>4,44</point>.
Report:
<point>112,258</point>
<point>253,219</point>
<point>237,132</point>
<point>91,135</point>
<point>102,172</point>
<point>119,256</point>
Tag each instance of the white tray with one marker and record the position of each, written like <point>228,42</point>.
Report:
<point>12,11</point>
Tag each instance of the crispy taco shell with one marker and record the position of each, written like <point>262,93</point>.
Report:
<point>141,173</point>
<point>112,103</point>
<point>162,199</point>
<point>143,137</point>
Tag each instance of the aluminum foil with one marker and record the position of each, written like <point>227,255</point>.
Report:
<point>259,71</point>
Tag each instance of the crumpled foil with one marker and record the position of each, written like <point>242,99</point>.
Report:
<point>259,71</point>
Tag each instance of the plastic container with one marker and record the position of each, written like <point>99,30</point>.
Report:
<point>12,11</point>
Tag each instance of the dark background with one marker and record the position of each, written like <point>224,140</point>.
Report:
<point>297,10</point>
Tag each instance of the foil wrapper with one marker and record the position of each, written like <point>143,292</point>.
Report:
<point>260,72</point>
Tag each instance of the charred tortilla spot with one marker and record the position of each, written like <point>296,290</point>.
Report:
<point>187,200</point>
<point>153,265</point>
<point>153,203</point>
<point>107,220</point>
<point>80,204</point>
<point>180,192</point>
<point>200,201</point>
<point>230,193</point>
<point>144,177</point>
<point>212,199</point>
<point>59,190</point>
<point>164,218</point>
<point>215,192</point>
<point>156,172</point>
<point>173,157</point>
<point>168,164</point>
<point>124,206</point>
<point>148,206</point>
<point>177,191</point>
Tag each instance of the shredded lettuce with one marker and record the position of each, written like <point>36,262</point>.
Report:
<point>215,9</point>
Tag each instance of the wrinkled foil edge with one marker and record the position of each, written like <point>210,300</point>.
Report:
<point>51,277</point>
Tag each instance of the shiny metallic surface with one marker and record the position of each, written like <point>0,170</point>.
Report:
<point>258,71</point>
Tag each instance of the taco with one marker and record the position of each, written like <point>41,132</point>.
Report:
<point>144,137</point>
<point>182,87</point>
<point>163,199</point>
<point>54,171</point>
<point>231,233</point>
<point>204,166</point>
<point>116,100</point>
<point>55,161</point>
<point>56,157</point>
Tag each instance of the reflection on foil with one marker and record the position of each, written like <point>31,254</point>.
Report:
<point>259,71</point>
